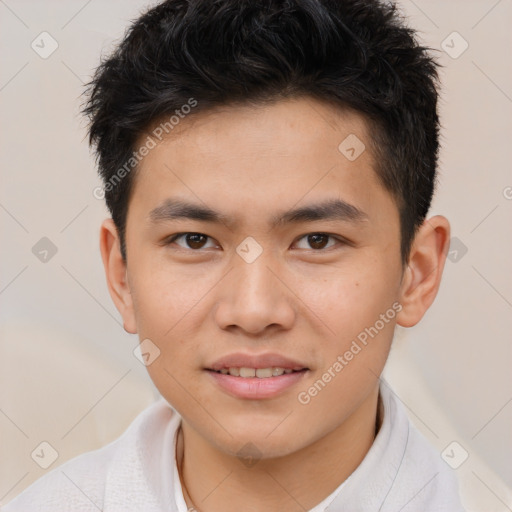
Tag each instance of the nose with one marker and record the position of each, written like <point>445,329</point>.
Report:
<point>254,298</point>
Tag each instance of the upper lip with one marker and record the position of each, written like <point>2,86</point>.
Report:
<point>268,360</point>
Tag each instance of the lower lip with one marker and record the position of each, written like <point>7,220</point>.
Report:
<point>253,388</point>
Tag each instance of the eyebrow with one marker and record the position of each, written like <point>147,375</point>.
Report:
<point>333,209</point>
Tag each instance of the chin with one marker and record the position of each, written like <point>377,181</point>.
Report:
<point>254,444</point>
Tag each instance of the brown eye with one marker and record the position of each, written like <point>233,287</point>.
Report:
<point>192,240</point>
<point>195,240</point>
<point>319,241</point>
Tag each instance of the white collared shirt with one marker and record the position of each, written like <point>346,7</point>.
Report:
<point>401,472</point>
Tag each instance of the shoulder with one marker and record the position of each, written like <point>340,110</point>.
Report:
<point>401,471</point>
<point>86,482</point>
<point>78,482</point>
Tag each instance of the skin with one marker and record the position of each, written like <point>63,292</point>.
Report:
<point>199,301</point>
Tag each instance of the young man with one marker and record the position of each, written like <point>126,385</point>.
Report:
<point>269,167</point>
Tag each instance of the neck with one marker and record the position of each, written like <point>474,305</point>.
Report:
<point>213,481</point>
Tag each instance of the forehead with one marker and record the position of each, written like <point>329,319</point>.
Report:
<point>294,125</point>
<point>262,157</point>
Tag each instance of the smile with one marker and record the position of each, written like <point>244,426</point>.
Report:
<point>260,373</point>
<point>257,383</point>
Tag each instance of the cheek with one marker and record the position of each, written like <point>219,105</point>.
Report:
<point>360,308</point>
<point>167,306</point>
<point>350,300</point>
<point>163,297</point>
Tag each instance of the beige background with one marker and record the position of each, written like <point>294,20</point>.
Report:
<point>68,375</point>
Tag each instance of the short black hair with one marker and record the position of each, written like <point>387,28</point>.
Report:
<point>357,54</point>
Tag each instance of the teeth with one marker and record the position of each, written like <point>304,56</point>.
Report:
<point>247,372</point>
<point>260,373</point>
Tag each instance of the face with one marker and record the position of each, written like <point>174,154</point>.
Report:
<point>253,241</point>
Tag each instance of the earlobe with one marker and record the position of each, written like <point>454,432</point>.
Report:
<point>422,276</point>
<point>116,274</point>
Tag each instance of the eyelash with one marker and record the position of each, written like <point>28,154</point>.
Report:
<point>170,240</point>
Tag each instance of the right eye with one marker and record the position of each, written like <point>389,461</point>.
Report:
<point>193,241</point>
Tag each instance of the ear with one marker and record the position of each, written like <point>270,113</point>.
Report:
<point>116,274</point>
<point>422,277</point>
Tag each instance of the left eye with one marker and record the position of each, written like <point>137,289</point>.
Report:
<point>318,241</point>
<point>195,241</point>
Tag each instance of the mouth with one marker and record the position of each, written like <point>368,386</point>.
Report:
<point>259,373</point>
<point>249,386</point>
<point>256,377</point>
